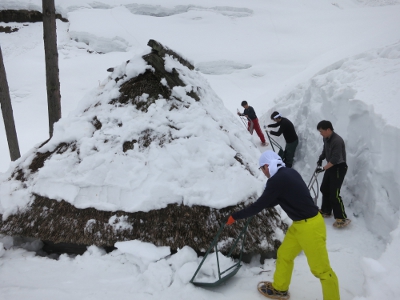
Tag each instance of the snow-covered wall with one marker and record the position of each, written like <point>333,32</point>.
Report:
<point>349,94</point>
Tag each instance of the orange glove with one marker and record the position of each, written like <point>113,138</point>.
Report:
<point>230,221</point>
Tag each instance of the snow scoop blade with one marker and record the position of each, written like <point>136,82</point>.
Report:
<point>222,280</point>
<point>233,269</point>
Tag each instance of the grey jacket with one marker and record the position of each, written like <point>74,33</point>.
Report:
<point>334,149</point>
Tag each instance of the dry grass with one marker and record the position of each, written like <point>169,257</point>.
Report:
<point>175,226</point>
<point>132,90</point>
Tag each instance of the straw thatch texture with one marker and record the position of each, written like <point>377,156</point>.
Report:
<point>175,226</point>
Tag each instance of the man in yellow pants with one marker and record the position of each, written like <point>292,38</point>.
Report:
<point>308,232</point>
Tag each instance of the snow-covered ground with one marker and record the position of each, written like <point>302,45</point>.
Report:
<point>308,59</point>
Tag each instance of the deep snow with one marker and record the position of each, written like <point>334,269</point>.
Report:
<point>311,60</point>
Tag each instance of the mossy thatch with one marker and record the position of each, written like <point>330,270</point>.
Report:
<point>175,226</point>
<point>24,16</point>
<point>150,82</point>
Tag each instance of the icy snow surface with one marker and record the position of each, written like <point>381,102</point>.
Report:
<point>308,59</point>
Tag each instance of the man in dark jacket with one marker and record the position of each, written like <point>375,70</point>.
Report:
<point>334,152</point>
<point>287,129</point>
<point>252,118</point>
<point>287,188</point>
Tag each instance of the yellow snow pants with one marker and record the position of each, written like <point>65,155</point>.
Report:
<point>310,236</point>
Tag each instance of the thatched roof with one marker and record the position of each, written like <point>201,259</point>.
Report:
<point>175,226</point>
<point>186,213</point>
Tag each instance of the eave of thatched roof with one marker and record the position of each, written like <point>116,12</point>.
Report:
<point>175,226</point>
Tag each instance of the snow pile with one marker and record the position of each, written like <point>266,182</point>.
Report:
<point>382,275</point>
<point>183,264</point>
<point>212,268</point>
<point>145,251</point>
<point>181,151</point>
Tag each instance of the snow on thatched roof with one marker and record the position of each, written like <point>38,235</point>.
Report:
<point>152,136</point>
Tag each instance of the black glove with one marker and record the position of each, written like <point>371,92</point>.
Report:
<point>319,170</point>
<point>319,162</point>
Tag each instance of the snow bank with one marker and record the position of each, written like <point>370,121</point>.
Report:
<point>349,93</point>
<point>382,275</point>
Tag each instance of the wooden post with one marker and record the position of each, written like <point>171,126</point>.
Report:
<point>8,116</point>
<point>51,55</point>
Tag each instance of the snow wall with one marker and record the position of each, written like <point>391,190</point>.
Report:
<point>359,95</point>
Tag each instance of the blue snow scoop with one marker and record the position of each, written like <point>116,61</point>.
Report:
<point>231,271</point>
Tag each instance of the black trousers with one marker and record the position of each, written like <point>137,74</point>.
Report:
<point>289,153</point>
<point>330,189</point>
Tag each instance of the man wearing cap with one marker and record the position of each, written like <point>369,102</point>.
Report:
<point>285,187</point>
<point>287,129</point>
<point>251,116</point>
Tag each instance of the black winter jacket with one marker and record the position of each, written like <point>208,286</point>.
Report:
<point>288,189</point>
<point>249,111</point>
<point>334,149</point>
<point>286,127</point>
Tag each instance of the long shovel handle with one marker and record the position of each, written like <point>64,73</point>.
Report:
<point>314,179</point>
<point>209,249</point>
<point>273,142</point>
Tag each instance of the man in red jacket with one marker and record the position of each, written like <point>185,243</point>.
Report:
<point>252,117</point>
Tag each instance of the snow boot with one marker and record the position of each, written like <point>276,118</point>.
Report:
<point>267,290</point>
<point>340,223</point>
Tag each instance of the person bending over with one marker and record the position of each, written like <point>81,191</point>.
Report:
<point>287,129</point>
<point>285,187</point>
